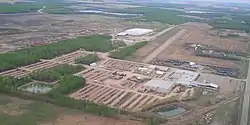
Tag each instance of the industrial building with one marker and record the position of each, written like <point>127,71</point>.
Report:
<point>160,85</point>
<point>188,78</point>
<point>183,75</point>
<point>135,32</point>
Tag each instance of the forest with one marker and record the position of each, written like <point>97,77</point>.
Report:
<point>121,53</point>
<point>10,84</point>
<point>88,59</point>
<point>55,73</point>
<point>11,60</point>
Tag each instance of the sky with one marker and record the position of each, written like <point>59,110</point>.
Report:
<point>231,1</point>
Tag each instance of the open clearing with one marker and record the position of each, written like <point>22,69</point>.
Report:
<point>84,119</point>
<point>183,50</point>
<point>197,34</point>
<point>24,112</point>
<point>34,29</point>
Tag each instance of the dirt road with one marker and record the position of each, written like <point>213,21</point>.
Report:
<point>245,107</point>
<point>157,51</point>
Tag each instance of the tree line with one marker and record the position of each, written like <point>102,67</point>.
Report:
<point>55,73</point>
<point>11,60</point>
<point>126,51</point>
<point>87,60</point>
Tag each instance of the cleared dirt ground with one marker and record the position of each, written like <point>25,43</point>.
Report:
<point>85,119</point>
<point>227,85</point>
<point>15,111</point>
<point>197,33</point>
<point>176,52</point>
<point>22,30</point>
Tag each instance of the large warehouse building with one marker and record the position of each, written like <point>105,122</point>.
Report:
<point>135,32</point>
<point>160,85</point>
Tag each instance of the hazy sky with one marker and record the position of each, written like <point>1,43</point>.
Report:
<point>231,1</point>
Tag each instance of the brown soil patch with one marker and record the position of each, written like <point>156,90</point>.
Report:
<point>179,53</point>
<point>84,119</point>
<point>199,34</point>
<point>16,107</point>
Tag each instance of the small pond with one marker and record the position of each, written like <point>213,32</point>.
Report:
<point>171,111</point>
<point>37,88</point>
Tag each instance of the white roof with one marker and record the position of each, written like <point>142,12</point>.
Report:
<point>93,64</point>
<point>142,68</point>
<point>135,32</point>
<point>159,72</point>
<point>205,84</point>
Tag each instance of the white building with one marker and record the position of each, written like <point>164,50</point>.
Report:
<point>135,32</point>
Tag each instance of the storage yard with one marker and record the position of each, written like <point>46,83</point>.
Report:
<point>137,87</point>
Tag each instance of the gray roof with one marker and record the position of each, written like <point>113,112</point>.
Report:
<point>161,84</point>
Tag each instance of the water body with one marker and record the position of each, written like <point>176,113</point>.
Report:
<point>107,13</point>
<point>37,88</point>
<point>171,111</point>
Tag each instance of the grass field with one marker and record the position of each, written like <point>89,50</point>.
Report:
<point>48,7</point>
<point>15,111</point>
<point>20,7</point>
<point>226,114</point>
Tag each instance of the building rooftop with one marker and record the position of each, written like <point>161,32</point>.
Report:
<point>135,32</point>
<point>160,84</point>
<point>183,75</point>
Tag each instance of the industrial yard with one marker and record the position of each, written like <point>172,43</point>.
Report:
<point>120,64</point>
<point>170,88</point>
<point>138,87</point>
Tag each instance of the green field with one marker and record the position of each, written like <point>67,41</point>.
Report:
<point>158,15</point>
<point>20,7</point>
<point>48,7</point>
